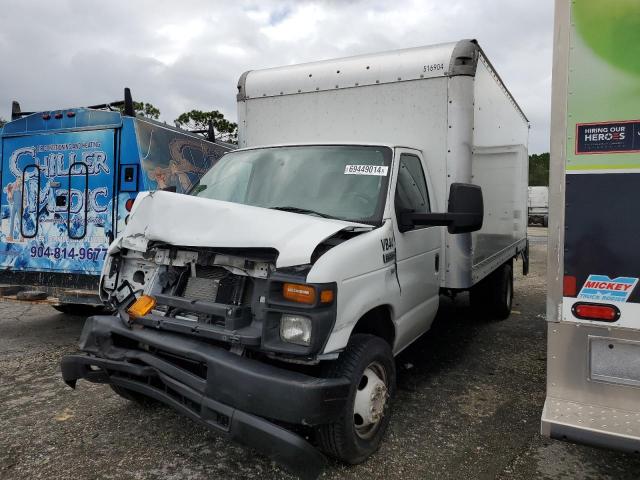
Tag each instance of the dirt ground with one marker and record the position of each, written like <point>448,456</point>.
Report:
<point>470,394</point>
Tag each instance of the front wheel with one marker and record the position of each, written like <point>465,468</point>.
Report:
<point>369,365</point>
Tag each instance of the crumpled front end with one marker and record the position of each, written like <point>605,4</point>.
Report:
<point>234,395</point>
<point>230,296</point>
<point>232,334</point>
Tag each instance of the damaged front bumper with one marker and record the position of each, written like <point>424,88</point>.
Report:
<point>234,395</point>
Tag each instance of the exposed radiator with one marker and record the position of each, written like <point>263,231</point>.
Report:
<point>213,284</point>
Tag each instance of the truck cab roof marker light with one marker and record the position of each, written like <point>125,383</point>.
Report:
<point>58,116</point>
<point>595,311</point>
<point>46,116</point>
<point>71,114</point>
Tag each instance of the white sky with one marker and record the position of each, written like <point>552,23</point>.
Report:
<point>187,54</point>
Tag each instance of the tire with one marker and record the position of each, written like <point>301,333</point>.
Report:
<point>366,362</point>
<point>135,397</point>
<point>80,309</point>
<point>493,296</point>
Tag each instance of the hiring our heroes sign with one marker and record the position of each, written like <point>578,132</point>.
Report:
<point>610,137</point>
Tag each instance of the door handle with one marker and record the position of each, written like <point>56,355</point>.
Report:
<point>437,262</point>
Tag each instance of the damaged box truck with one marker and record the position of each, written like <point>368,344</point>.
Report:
<point>269,303</point>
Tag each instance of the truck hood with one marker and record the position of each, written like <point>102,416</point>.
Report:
<point>184,220</point>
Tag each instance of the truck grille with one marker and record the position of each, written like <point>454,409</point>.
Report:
<point>213,284</point>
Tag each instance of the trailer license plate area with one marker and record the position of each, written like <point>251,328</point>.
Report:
<point>615,361</point>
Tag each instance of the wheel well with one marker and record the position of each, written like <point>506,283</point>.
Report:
<point>377,322</point>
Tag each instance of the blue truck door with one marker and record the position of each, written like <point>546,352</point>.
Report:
<point>57,208</point>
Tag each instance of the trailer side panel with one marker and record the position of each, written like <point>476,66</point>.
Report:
<point>593,305</point>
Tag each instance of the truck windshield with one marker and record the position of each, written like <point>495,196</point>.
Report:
<point>343,182</point>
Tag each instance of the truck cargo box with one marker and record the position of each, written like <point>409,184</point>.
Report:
<point>446,100</point>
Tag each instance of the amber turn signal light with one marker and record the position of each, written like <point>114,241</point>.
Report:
<point>142,306</point>
<point>326,296</point>
<point>299,293</point>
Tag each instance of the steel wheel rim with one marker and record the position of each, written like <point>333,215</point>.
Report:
<point>370,401</point>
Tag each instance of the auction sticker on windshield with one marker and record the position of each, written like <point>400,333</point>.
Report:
<point>379,170</point>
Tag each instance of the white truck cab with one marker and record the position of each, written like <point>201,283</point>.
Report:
<point>280,288</point>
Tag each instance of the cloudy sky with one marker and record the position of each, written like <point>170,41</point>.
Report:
<point>187,54</point>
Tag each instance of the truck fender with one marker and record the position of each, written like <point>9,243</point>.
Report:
<point>379,322</point>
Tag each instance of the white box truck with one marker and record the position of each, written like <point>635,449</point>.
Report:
<point>538,205</point>
<point>593,299</point>
<point>279,291</point>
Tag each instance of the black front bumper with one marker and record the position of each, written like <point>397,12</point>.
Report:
<point>228,393</point>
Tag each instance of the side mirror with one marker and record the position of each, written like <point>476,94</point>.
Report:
<point>466,206</point>
<point>465,212</point>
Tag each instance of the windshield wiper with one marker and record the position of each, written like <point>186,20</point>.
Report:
<point>301,210</point>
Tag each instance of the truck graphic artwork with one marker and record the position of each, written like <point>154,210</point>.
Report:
<point>604,289</point>
<point>68,182</point>
<point>56,203</point>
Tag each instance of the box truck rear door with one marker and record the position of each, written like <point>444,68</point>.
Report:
<point>57,201</point>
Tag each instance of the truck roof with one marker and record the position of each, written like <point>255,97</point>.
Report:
<point>441,60</point>
<point>324,144</point>
<point>64,119</point>
<point>81,118</point>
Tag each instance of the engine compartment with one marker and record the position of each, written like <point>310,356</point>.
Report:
<point>229,296</point>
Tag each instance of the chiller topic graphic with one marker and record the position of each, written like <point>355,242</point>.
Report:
<point>56,205</point>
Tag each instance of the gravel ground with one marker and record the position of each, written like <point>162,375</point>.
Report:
<point>470,394</point>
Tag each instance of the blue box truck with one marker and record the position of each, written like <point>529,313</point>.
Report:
<point>69,178</point>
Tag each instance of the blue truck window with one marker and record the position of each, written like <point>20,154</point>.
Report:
<point>171,159</point>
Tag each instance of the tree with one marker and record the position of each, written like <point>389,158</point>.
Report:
<point>143,109</point>
<point>198,120</point>
<point>2,122</point>
<point>539,170</point>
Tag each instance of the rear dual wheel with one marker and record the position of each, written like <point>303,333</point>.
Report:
<point>493,295</point>
<point>369,365</point>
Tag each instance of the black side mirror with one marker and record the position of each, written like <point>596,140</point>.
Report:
<point>467,207</point>
<point>465,212</point>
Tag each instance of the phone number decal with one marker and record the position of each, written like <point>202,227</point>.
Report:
<point>72,253</point>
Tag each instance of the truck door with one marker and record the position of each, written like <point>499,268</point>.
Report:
<point>417,250</point>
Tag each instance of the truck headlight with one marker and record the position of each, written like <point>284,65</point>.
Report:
<point>295,329</point>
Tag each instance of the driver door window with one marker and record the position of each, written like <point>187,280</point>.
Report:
<point>411,188</point>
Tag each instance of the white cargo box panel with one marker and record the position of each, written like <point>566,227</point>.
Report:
<point>539,197</point>
<point>444,100</point>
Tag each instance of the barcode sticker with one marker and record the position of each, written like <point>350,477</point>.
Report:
<point>379,170</point>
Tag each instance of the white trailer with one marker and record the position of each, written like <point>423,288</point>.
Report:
<point>538,205</point>
<point>593,267</point>
<point>305,260</point>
